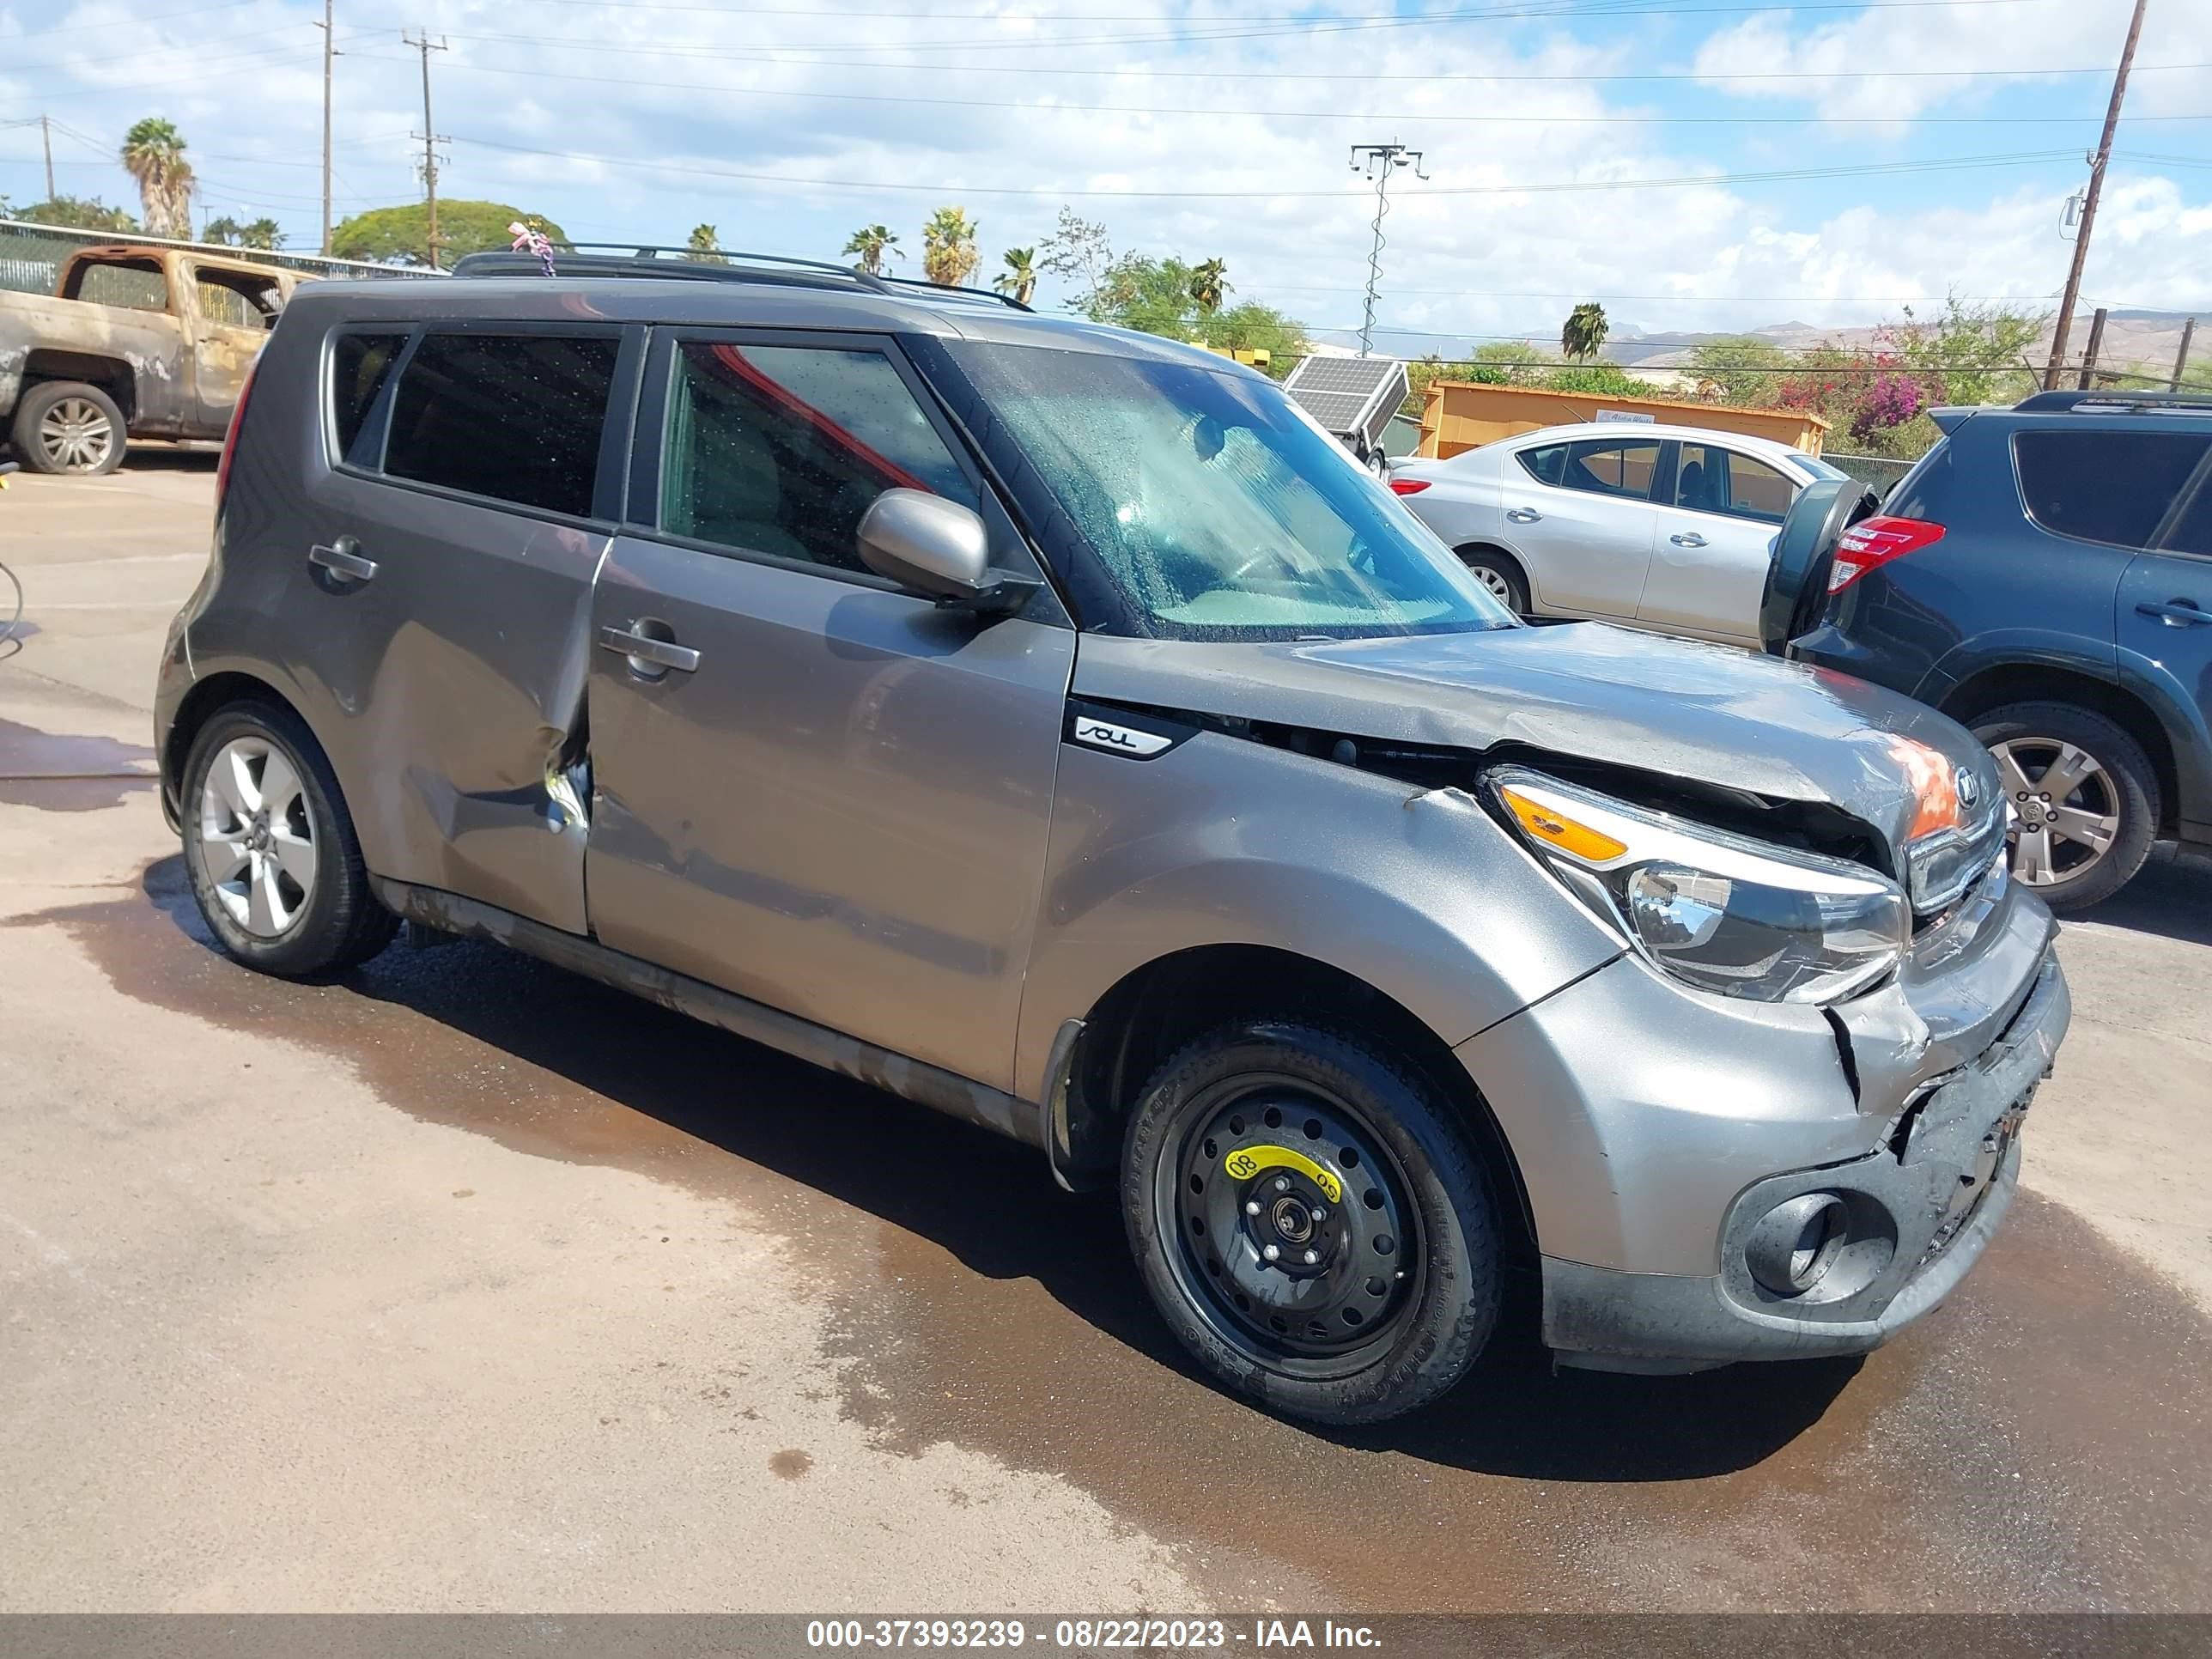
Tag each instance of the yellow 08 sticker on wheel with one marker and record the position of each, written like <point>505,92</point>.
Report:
<point>1247,1161</point>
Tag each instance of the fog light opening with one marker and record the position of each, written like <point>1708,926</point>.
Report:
<point>1795,1242</point>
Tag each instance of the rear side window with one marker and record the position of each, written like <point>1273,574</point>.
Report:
<point>360,365</point>
<point>515,417</point>
<point>781,449</point>
<point>1601,467</point>
<point>1545,465</point>
<point>2114,487</point>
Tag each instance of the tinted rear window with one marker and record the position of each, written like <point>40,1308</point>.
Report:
<point>2113,487</point>
<point>360,365</point>
<point>516,418</point>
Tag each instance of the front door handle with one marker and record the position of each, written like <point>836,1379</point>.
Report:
<point>1688,538</point>
<point>1524,515</point>
<point>2180,613</point>
<point>643,649</point>
<point>343,559</point>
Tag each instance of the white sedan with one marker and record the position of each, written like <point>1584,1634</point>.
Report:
<point>1664,528</point>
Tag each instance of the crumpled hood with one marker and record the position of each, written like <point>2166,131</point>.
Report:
<point>1678,707</point>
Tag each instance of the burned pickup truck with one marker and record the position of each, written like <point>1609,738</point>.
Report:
<point>134,342</point>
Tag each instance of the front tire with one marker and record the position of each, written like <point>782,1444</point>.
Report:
<point>1382,1284</point>
<point>271,849</point>
<point>69,427</point>
<point>2084,799</point>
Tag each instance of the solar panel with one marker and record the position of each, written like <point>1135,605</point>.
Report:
<point>1349,396</point>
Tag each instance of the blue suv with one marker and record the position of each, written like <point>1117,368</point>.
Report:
<point>2043,576</point>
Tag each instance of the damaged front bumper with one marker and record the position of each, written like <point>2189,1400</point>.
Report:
<point>1909,1220</point>
<point>1712,1181</point>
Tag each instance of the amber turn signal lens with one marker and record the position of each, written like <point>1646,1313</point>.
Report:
<point>1555,828</point>
<point>1934,786</point>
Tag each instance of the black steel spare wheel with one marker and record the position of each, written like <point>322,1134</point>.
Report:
<point>1314,1228</point>
<point>1293,1233</point>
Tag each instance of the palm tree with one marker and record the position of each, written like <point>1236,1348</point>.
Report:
<point>1209,283</point>
<point>154,155</point>
<point>705,247</point>
<point>948,247</point>
<point>264,234</point>
<point>1584,333</point>
<point>1020,277</point>
<point>871,243</point>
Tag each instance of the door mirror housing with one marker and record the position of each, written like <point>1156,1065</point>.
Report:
<point>937,548</point>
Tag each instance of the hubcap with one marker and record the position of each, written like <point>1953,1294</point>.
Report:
<point>1295,1238</point>
<point>256,838</point>
<point>76,436</point>
<point>2065,808</point>
<point>1494,582</point>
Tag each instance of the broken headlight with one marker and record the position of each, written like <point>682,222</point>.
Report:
<point>1723,911</point>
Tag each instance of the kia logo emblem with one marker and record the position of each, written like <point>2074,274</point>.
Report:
<point>1970,789</point>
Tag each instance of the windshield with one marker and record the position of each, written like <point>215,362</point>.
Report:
<point>1219,510</point>
<point>1820,470</point>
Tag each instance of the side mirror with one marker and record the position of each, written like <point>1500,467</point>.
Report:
<point>923,542</point>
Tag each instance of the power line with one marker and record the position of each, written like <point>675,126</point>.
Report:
<point>1244,30</point>
<point>766,56</point>
<point>138,22</point>
<point>1945,164</point>
<point>1059,108</point>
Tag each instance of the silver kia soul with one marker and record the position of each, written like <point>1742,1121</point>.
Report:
<point>1053,725</point>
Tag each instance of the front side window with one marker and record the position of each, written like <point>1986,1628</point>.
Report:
<point>1710,479</point>
<point>1216,509</point>
<point>235,299</point>
<point>1604,466</point>
<point>516,418</point>
<point>2114,487</point>
<point>781,449</point>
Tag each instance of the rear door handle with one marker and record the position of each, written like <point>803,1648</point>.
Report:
<point>2180,613</point>
<point>1688,538</point>
<point>644,648</point>
<point>343,558</point>
<point>1524,515</point>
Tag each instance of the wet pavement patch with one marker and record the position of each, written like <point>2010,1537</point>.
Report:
<point>68,773</point>
<point>2044,1442</point>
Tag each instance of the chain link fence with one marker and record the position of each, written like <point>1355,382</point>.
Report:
<point>30,256</point>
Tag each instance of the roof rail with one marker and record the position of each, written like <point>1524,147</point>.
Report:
<point>2129,402</point>
<point>690,264</point>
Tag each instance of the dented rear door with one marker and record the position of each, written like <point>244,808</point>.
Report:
<point>441,593</point>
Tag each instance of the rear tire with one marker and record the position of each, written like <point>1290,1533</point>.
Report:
<point>1278,1134</point>
<point>271,849</point>
<point>1498,573</point>
<point>2055,850</point>
<point>69,427</point>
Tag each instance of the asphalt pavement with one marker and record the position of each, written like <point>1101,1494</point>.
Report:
<point>467,1284</point>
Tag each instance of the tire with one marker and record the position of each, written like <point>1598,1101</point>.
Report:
<point>1406,1292</point>
<point>69,427</point>
<point>1500,573</point>
<point>2032,740</point>
<point>278,910</point>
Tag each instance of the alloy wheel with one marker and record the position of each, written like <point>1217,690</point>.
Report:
<point>2065,808</point>
<point>1295,1238</point>
<point>257,837</point>
<point>76,436</point>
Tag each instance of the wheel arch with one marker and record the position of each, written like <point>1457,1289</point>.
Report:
<point>1505,555</point>
<point>208,696</point>
<point>1154,1010</point>
<point>2001,684</point>
<point>113,375</point>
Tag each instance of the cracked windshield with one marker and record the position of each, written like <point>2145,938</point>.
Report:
<point>1217,508</point>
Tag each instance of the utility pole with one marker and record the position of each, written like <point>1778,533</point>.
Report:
<point>2058,364</point>
<point>46,137</point>
<point>2088,381</point>
<point>1381,160</point>
<point>2181,357</point>
<point>423,44</point>
<point>330,51</point>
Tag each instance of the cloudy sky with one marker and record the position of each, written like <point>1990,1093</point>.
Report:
<point>1692,164</point>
